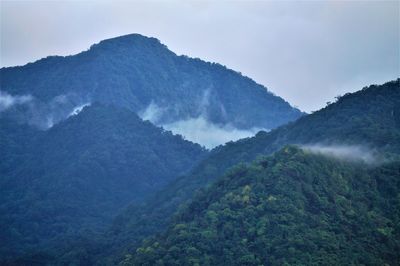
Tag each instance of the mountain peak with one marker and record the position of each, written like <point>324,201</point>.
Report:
<point>141,74</point>
<point>129,40</point>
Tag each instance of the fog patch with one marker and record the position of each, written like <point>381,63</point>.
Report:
<point>345,152</point>
<point>30,110</point>
<point>204,103</point>
<point>194,124</point>
<point>152,113</point>
<point>7,100</point>
<point>203,132</point>
<point>46,115</point>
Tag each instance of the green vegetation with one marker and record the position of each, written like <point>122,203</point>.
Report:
<point>292,208</point>
<point>76,176</point>
<point>90,189</point>
<point>369,117</point>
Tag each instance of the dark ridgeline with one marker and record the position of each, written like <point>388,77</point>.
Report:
<point>134,71</point>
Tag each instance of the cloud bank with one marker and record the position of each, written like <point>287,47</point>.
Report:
<point>7,101</point>
<point>200,130</point>
<point>197,129</point>
<point>345,152</point>
<point>151,113</point>
<point>26,109</point>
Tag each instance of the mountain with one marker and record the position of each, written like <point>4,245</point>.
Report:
<point>142,75</point>
<point>81,172</point>
<point>292,208</point>
<point>84,179</point>
<point>75,149</point>
<point>364,124</point>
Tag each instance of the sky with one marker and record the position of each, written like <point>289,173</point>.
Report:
<point>307,52</point>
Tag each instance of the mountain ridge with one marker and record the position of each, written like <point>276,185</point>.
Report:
<point>133,71</point>
<point>374,119</point>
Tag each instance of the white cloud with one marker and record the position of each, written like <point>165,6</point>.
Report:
<point>345,152</point>
<point>32,111</point>
<point>200,130</point>
<point>197,129</point>
<point>7,100</point>
<point>151,113</point>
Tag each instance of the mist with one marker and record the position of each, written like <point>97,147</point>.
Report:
<point>345,152</point>
<point>198,129</point>
<point>26,109</point>
<point>152,113</point>
<point>7,101</point>
<point>207,134</point>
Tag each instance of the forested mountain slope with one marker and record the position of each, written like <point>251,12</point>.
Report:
<point>292,208</point>
<point>78,174</point>
<point>369,118</point>
<point>140,73</point>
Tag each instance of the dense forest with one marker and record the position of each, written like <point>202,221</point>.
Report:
<point>375,120</point>
<point>292,208</point>
<point>77,175</point>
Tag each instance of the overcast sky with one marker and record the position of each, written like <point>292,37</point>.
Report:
<point>306,52</point>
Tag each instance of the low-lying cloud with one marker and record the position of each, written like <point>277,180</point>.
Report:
<point>151,113</point>
<point>197,129</point>
<point>27,109</point>
<point>200,130</point>
<point>345,152</point>
<point>7,100</point>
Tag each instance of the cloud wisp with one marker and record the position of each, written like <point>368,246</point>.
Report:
<point>151,113</point>
<point>345,152</point>
<point>7,100</point>
<point>198,129</point>
<point>26,109</point>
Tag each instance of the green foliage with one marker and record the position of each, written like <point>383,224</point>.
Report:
<point>369,117</point>
<point>75,177</point>
<point>301,208</point>
<point>292,208</point>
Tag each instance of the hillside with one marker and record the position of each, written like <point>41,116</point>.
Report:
<point>368,118</point>
<point>80,173</point>
<point>287,209</point>
<point>141,74</point>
